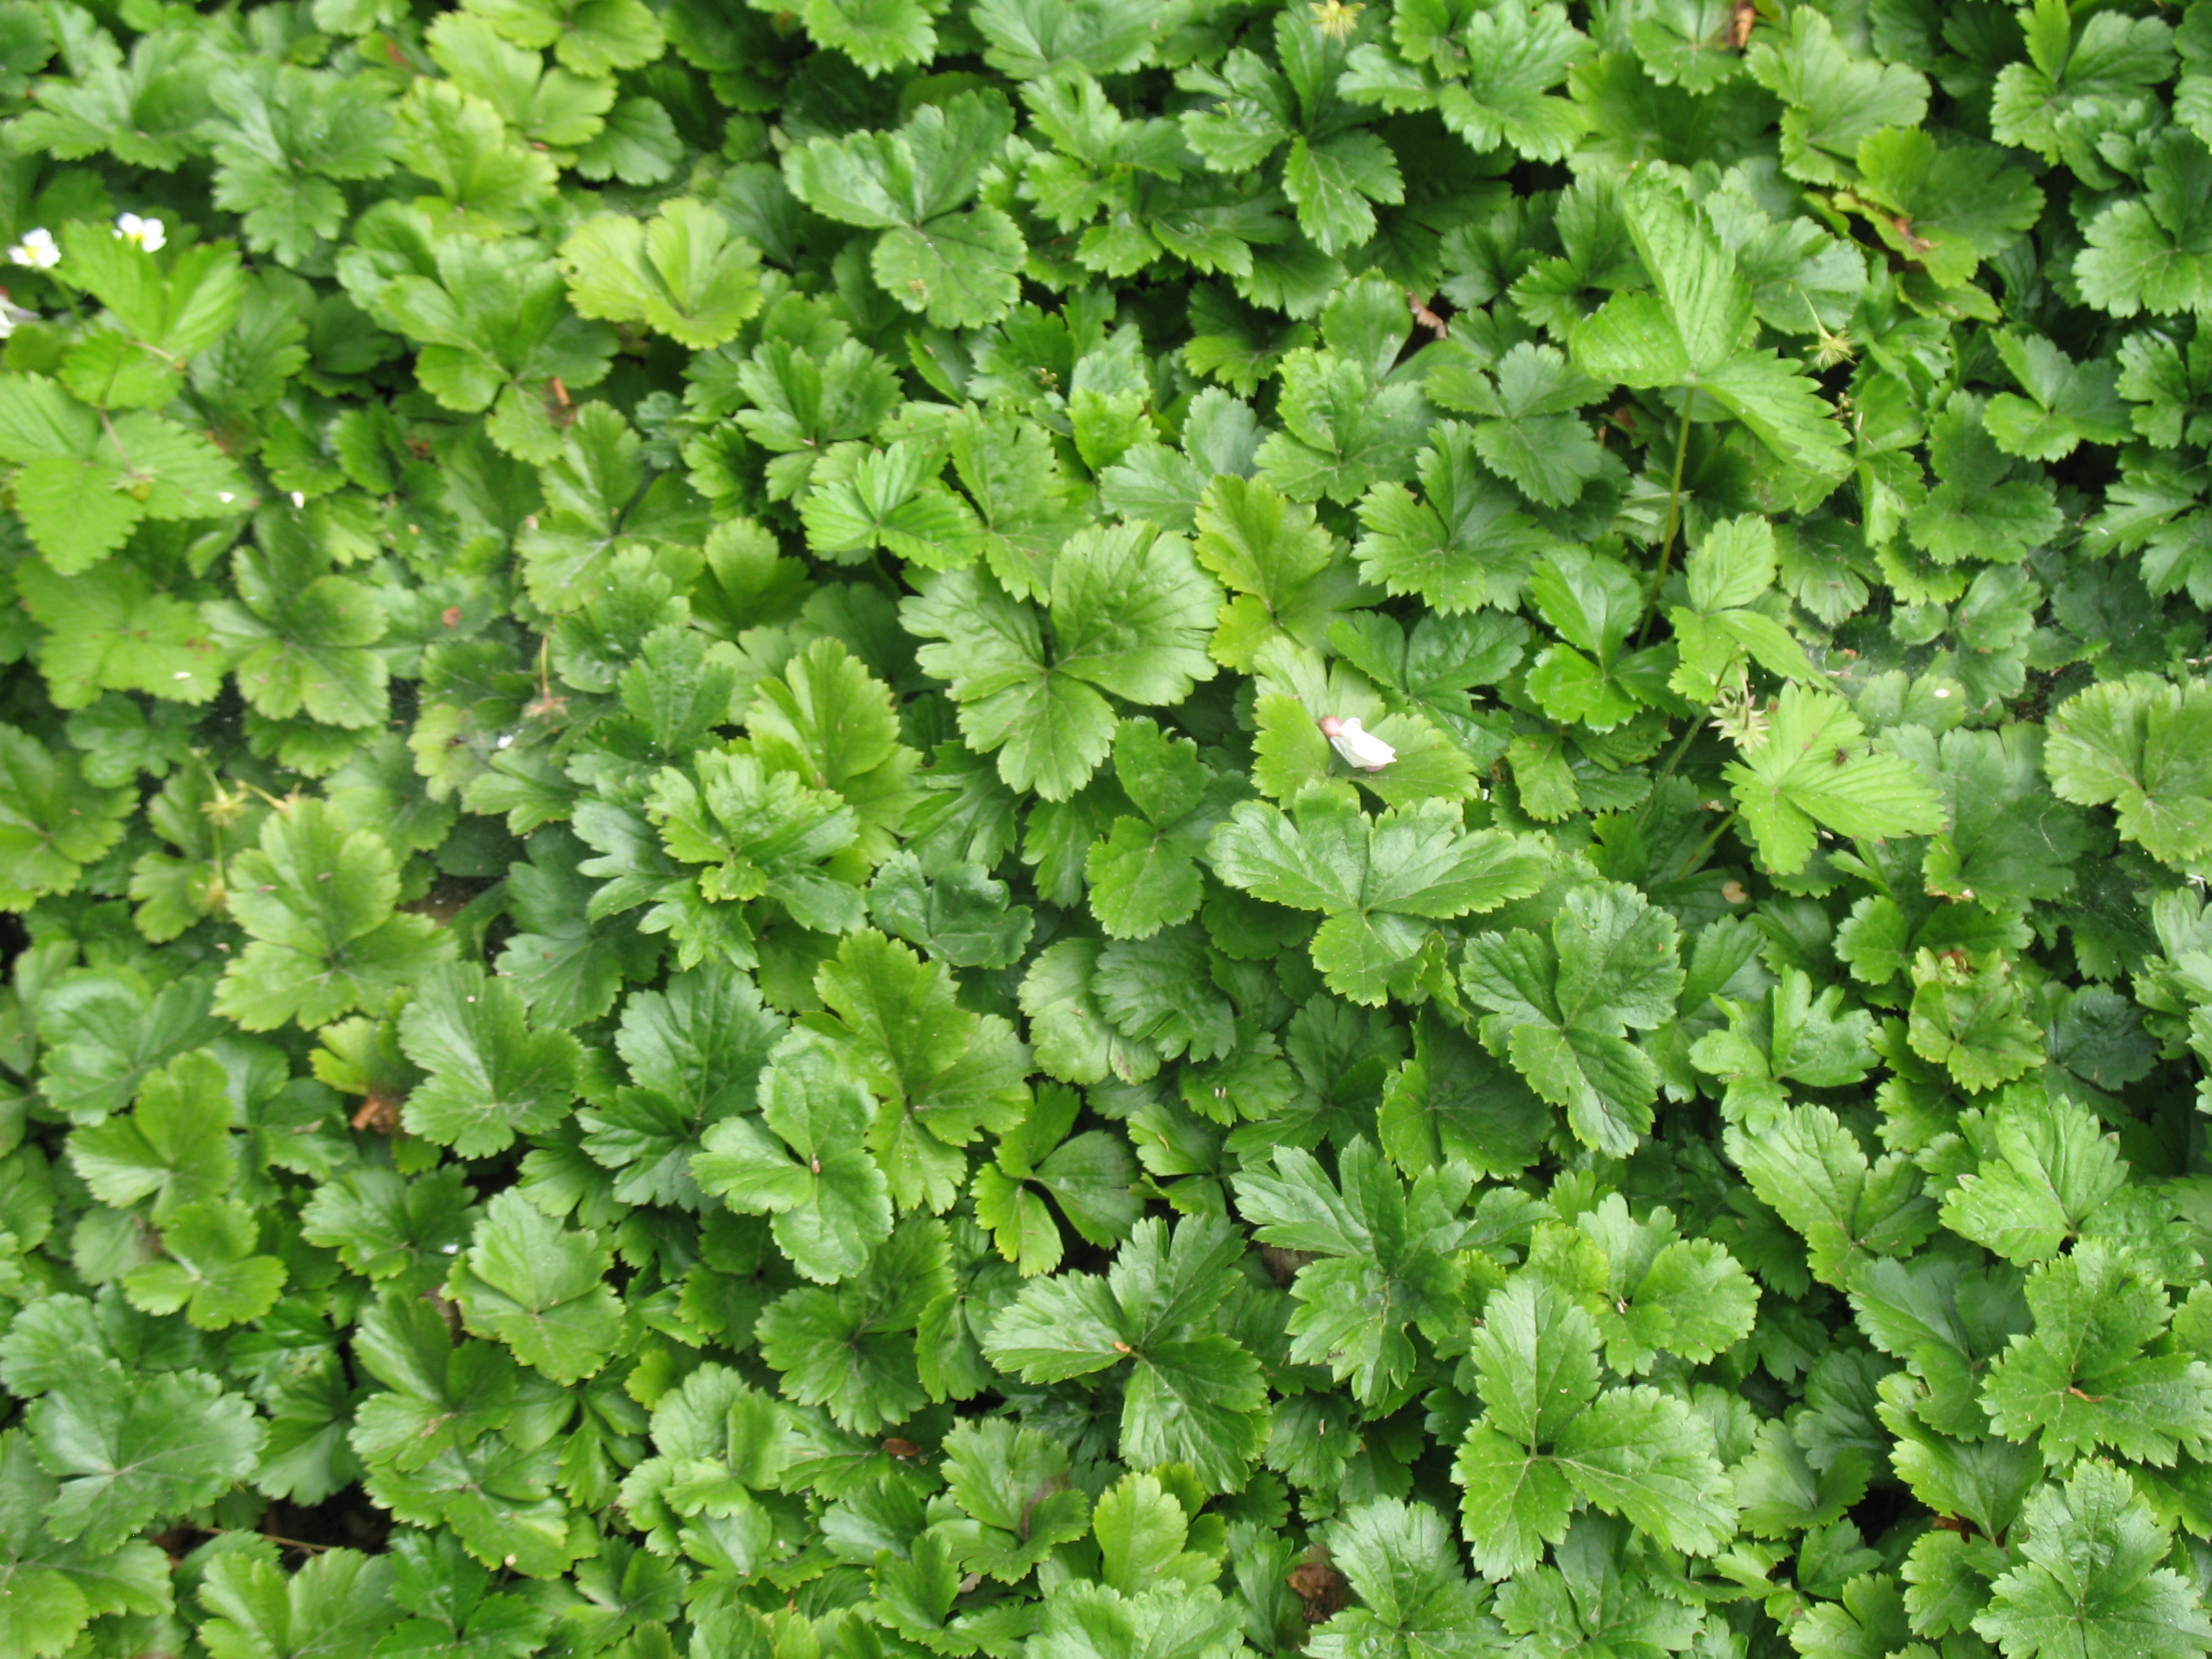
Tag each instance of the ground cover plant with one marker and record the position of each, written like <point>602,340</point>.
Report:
<point>1106,830</point>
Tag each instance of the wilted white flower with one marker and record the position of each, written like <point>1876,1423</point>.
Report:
<point>36,250</point>
<point>147,233</point>
<point>1361,749</point>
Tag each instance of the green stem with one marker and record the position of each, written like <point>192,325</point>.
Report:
<point>1674,512</point>
<point>1704,847</point>
<point>244,1532</point>
<point>1676,755</point>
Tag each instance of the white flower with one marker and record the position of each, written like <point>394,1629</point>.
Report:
<point>147,233</point>
<point>1360,749</point>
<point>299,498</point>
<point>36,250</point>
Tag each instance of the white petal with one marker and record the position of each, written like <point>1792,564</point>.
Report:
<point>1361,749</point>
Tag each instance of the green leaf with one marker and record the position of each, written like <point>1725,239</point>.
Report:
<point>1379,881</point>
<point>1549,1436</point>
<point>2112,58</point>
<point>1343,434</point>
<point>84,483</point>
<point>2147,253</point>
<point>830,1203</point>
<point>1391,1259</point>
<point>2068,403</point>
<point>540,1288</point>
<point>1287,574</point>
<point>852,1349</point>
<point>1415,1602</point>
<point>128,1450</point>
<point>1946,209</point>
<point>1012,1482</point>
<point>1651,1290</point>
<point>1530,435</point>
<point>118,634</point>
<point>175,1148</point>
<point>2139,744</point>
<point>319,900</point>
<point>2090,1586</point>
<point>2082,1380</point>
<point>491,1078</point>
<point>889,499</point>
<point>1813,769</point>
<point>496,331</point>
<point>52,823</point>
<point>590,36</point>
<point>458,142</point>
<point>1692,335</point>
<point>1193,1396</point>
<point>1810,1170</point>
<point>1834,99</point>
<point>210,1272</point>
<point>1466,542</point>
<point>1729,571</point>
<point>1130,611</point>
<point>335,1603</point>
<point>301,635</point>
<point>940,1075</point>
<point>936,255</point>
<point>1144,873</point>
<point>49,1590</point>
<point>876,35</point>
<point>1561,1007</point>
<point>682,273</point>
<point>963,917</point>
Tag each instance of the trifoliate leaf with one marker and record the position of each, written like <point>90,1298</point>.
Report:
<point>50,1590</point>
<point>128,1450</point>
<point>1466,542</point>
<point>1144,873</point>
<point>491,1078</point>
<point>1130,613</point>
<point>2147,253</point>
<point>1691,336</point>
<point>1379,881</point>
<point>1389,1259</point>
<point>211,1271</point>
<point>1415,1599</point>
<point>319,900</point>
<point>1833,99</point>
<point>2082,1380</point>
<point>829,1201</point>
<point>1813,768</point>
<point>682,273</point>
<point>590,36</point>
<point>83,482</point>
<point>2140,745</point>
<point>1811,1170</point>
<point>540,1288</point>
<point>1012,1482</point>
<point>1560,1007</point>
<point>937,254</point>
<point>1194,1395</point>
<point>1549,1437</point>
<point>1946,209</point>
<point>941,1075</point>
<point>2090,1586</point>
